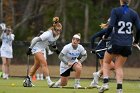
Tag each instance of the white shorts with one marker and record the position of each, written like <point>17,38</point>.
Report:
<point>64,67</point>
<point>6,53</point>
<point>35,50</point>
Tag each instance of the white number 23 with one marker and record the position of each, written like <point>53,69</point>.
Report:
<point>127,25</point>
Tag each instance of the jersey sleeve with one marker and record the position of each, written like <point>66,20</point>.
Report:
<point>83,51</point>
<point>137,21</point>
<point>113,18</point>
<point>137,24</point>
<point>96,35</point>
<point>65,50</point>
<point>45,35</point>
<point>12,36</point>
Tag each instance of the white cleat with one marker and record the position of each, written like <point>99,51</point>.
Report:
<point>119,91</point>
<point>56,85</point>
<point>93,84</point>
<point>51,84</point>
<point>77,86</point>
<point>50,52</point>
<point>103,88</point>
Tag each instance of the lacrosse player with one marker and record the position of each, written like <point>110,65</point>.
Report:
<point>6,50</point>
<point>39,44</point>
<point>39,74</point>
<point>121,25</point>
<point>102,45</point>
<point>70,62</point>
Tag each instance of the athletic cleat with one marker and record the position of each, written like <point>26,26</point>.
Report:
<point>77,86</point>
<point>56,85</point>
<point>96,77</point>
<point>119,91</point>
<point>50,52</point>
<point>103,88</point>
<point>5,76</point>
<point>93,84</point>
<point>51,84</point>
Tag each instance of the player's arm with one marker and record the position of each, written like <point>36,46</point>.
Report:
<point>63,58</point>
<point>83,58</point>
<point>137,24</point>
<point>83,55</point>
<point>96,35</point>
<point>34,41</point>
<point>111,23</point>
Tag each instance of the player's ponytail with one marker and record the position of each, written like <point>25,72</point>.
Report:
<point>55,20</point>
<point>57,24</point>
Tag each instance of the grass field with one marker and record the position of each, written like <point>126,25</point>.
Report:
<point>41,87</point>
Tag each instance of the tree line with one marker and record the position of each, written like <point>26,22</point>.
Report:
<point>28,17</point>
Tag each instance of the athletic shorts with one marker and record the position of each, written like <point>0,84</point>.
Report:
<point>100,55</point>
<point>125,51</point>
<point>6,52</point>
<point>67,72</point>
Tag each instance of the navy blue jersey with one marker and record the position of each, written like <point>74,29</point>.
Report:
<point>102,43</point>
<point>122,21</point>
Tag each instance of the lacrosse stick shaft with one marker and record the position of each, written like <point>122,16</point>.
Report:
<point>138,47</point>
<point>101,50</point>
<point>28,60</point>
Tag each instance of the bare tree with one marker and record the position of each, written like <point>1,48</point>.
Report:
<point>13,12</point>
<point>86,22</point>
<point>1,9</point>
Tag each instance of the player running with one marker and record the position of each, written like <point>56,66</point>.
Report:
<point>39,44</point>
<point>100,51</point>
<point>121,25</point>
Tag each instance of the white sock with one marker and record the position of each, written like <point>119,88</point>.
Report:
<point>37,76</point>
<point>3,75</point>
<point>48,79</point>
<point>77,81</point>
<point>41,76</point>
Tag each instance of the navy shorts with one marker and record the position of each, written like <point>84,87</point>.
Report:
<point>100,55</point>
<point>125,51</point>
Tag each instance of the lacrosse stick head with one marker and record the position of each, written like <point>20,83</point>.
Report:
<point>27,82</point>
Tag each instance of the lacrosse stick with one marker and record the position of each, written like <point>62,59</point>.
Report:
<point>137,46</point>
<point>27,81</point>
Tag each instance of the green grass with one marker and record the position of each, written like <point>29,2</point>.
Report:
<point>41,87</point>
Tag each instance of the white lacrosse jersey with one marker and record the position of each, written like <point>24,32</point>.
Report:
<point>71,54</point>
<point>6,47</point>
<point>47,39</point>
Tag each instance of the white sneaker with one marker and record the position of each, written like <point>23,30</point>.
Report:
<point>119,91</point>
<point>51,84</point>
<point>96,77</point>
<point>94,84</point>
<point>5,76</point>
<point>56,85</point>
<point>103,88</point>
<point>76,86</point>
<point>50,52</point>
